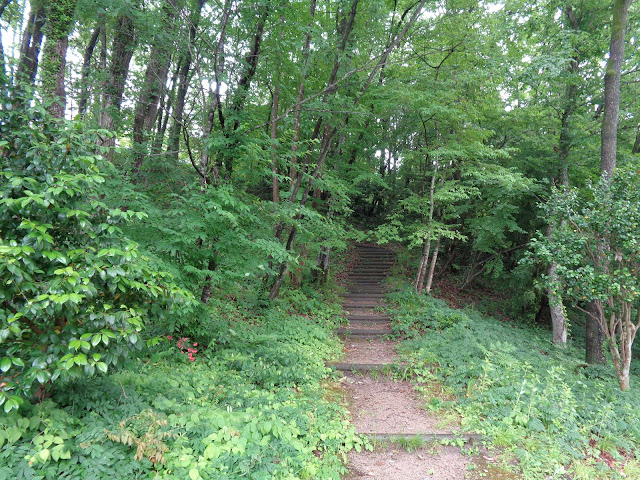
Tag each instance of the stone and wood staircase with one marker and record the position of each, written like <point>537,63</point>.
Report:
<point>381,408</point>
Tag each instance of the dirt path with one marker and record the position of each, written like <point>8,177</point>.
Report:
<point>380,406</point>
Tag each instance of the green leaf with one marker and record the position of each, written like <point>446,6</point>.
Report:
<point>44,454</point>
<point>5,364</point>
<point>194,474</point>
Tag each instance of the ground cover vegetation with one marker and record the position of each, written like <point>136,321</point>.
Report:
<point>547,412</point>
<point>178,178</point>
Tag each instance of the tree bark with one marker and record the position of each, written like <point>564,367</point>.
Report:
<point>155,80</point>
<point>121,53</point>
<point>244,83</point>
<point>636,144</point>
<point>3,5</point>
<point>275,182</point>
<point>173,146</point>
<point>54,55</point>
<point>83,98</point>
<point>31,43</point>
<point>609,146</point>
<point>298,109</point>
<point>209,174</point>
<point>432,268</point>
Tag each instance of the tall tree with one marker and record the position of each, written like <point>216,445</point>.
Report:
<point>608,149</point>
<point>183,78</point>
<point>155,78</point>
<point>122,49</point>
<point>31,42</point>
<point>54,55</point>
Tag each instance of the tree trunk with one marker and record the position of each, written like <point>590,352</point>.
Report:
<point>244,83</point>
<point>3,5</point>
<point>558,318</point>
<point>155,80</point>
<point>298,109</point>
<point>121,53</point>
<point>83,98</point>
<point>173,146</point>
<point>206,290</point>
<point>594,338</point>
<point>422,267</point>
<point>31,42</point>
<point>636,144</point>
<point>164,111</point>
<point>432,268</point>
<point>209,174</point>
<point>609,143</point>
<point>275,182</point>
<point>54,55</point>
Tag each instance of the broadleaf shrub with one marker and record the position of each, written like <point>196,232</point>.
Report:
<point>76,293</point>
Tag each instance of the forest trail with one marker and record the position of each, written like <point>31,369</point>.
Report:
<point>381,407</point>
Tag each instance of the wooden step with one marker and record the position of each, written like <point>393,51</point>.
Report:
<point>424,437</point>
<point>364,294</point>
<point>365,290</point>
<point>364,332</point>
<point>367,367</point>
<point>362,306</point>
<point>369,318</point>
<point>361,323</point>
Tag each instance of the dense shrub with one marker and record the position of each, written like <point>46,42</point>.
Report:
<point>75,293</point>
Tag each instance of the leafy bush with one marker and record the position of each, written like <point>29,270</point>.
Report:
<point>596,244</point>
<point>76,293</point>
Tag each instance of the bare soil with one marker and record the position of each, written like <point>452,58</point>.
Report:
<point>394,463</point>
<point>387,406</point>
<point>369,351</point>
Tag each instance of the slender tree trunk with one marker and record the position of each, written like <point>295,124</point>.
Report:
<point>298,109</point>
<point>164,111</point>
<point>636,144</point>
<point>206,290</point>
<point>83,98</point>
<point>244,83</point>
<point>3,5</point>
<point>155,80</point>
<point>113,91</point>
<point>558,318</point>
<point>422,266</point>
<point>432,268</point>
<point>556,306</point>
<point>275,182</point>
<point>209,173</point>
<point>609,146</point>
<point>31,43</point>
<point>173,146</point>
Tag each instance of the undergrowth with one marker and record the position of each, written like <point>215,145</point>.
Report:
<point>251,404</point>
<point>542,405</point>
